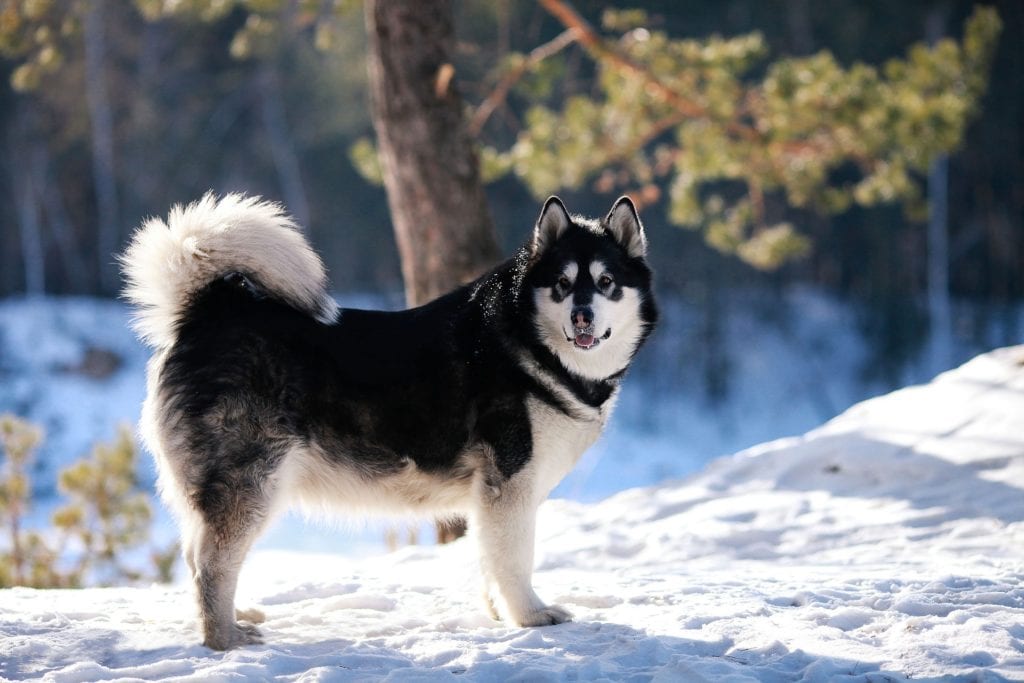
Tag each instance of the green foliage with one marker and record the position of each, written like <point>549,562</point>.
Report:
<point>29,559</point>
<point>40,33</point>
<point>106,515</point>
<point>363,155</point>
<point>36,32</point>
<point>735,142</point>
<point>732,138</point>
<point>265,19</point>
<point>106,512</point>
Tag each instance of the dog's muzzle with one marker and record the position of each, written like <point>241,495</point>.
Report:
<point>584,336</point>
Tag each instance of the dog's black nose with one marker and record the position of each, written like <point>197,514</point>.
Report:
<point>582,316</point>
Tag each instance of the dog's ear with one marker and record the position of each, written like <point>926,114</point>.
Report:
<point>624,225</point>
<point>553,221</point>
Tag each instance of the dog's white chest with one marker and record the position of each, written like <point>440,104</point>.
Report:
<point>559,440</point>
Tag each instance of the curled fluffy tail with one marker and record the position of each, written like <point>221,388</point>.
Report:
<point>168,262</point>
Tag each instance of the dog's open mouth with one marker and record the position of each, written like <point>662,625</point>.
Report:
<point>585,339</point>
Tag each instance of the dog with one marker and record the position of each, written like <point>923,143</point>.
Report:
<point>263,394</point>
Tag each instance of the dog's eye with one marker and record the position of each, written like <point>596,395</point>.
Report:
<point>605,281</point>
<point>564,283</point>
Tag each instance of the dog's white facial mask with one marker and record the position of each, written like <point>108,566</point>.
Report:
<point>591,321</point>
<point>595,346</point>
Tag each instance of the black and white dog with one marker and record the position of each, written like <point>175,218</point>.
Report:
<point>263,394</point>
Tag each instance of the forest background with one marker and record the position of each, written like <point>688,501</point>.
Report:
<point>115,117</point>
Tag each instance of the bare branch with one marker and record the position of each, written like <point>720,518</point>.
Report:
<point>501,90</point>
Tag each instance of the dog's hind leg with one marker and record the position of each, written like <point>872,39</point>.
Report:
<point>218,562</point>
<point>190,549</point>
<point>234,511</point>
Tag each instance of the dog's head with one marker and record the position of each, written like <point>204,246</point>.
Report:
<point>591,287</point>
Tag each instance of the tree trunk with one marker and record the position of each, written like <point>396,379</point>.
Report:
<point>30,225</point>
<point>26,193</point>
<point>101,121</point>
<point>282,147</point>
<point>64,240</point>
<point>431,172</point>
<point>940,307</point>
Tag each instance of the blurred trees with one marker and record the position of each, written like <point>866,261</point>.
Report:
<point>268,96</point>
<point>192,105</point>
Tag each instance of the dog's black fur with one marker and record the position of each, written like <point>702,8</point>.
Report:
<point>420,384</point>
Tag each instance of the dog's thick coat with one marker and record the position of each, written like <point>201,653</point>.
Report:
<point>262,394</point>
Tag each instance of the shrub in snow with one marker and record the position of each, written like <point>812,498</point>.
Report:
<point>106,518</point>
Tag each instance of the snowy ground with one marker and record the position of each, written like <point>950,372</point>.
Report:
<point>886,545</point>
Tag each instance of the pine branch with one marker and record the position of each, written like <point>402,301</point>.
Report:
<point>501,90</point>
<point>606,53</point>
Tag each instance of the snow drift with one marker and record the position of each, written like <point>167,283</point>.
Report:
<point>887,544</point>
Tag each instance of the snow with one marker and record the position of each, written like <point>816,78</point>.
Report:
<point>43,343</point>
<point>885,545</point>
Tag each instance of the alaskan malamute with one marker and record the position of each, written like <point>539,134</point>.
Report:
<point>263,394</point>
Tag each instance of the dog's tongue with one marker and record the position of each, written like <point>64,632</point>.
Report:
<point>585,340</point>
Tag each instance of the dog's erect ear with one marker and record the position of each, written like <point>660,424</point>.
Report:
<point>553,221</point>
<point>623,223</point>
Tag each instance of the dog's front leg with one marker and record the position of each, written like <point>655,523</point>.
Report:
<point>504,525</point>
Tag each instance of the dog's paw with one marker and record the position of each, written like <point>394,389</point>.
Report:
<point>549,615</point>
<point>236,635</point>
<point>489,606</point>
